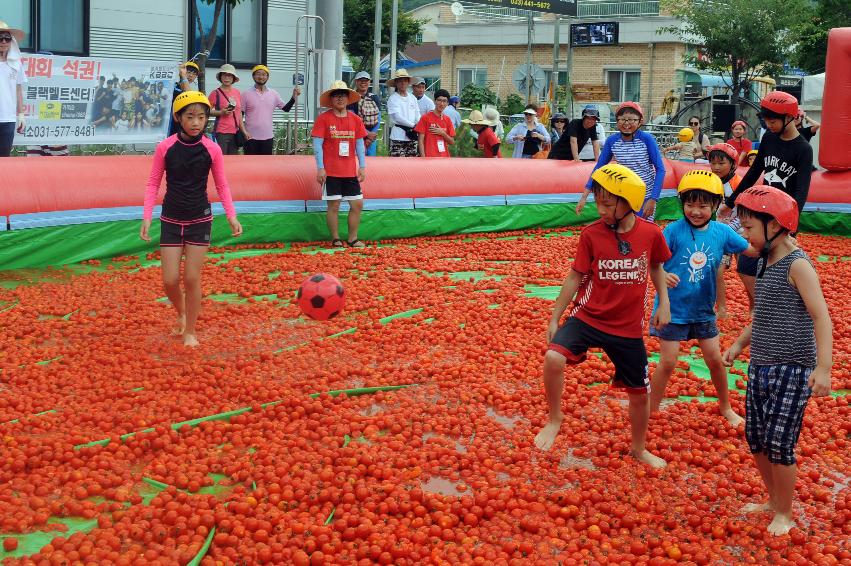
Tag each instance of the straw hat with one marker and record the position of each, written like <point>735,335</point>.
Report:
<point>325,97</point>
<point>491,115</point>
<point>400,74</point>
<point>229,69</point>
<point>476,118</point>
<point>18,34</point>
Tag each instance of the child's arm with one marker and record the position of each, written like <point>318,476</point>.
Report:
<point>742,342</point>
<point>675,147</point>
<point>605,156</point>
<point>805,279</point>
<point>663,311</point>
<point>360,151</point>
<point>319,156</point>
<point>154,180</point>
<point>659,165</point>
<point>568,290</point>
<point>748,181</point>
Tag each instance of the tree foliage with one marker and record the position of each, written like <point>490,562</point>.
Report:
<point>359,27</point>
<point>513,104</point>
<point>737,39</point>
<point>812,30</point>
<point>209,40</point>
<point>475,96</point>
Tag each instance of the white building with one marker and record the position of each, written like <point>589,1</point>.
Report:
<point>256,31</point>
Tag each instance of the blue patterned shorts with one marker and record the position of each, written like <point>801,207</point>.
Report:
<point>774,410</point>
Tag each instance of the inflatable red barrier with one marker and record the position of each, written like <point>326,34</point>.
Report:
<point>834,153</point>
<point>75,183</point>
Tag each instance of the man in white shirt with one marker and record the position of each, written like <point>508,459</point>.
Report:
<point>425,103</point>
<point>404,111</point>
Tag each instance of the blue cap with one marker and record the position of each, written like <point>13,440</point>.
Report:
<point>454,99</point>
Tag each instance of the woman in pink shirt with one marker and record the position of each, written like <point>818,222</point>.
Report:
<point>227,108</point>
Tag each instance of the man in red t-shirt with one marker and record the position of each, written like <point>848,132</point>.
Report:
<point>340,154</point>
<point>435,129</point>
<point>609,278</point>
<point>487,141</point>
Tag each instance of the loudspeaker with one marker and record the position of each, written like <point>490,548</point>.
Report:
<point>723,116</point>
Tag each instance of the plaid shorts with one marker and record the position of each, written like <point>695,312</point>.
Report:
<point>774,410</point>
<point>403,148</point>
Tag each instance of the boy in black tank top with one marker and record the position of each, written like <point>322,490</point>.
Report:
<point>791,340</point>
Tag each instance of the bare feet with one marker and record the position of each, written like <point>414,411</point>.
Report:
<point>545,438</point>
<point>190,340</point>
<point>780,525</point>
<point>646,457</point>
<point>732,417</point>
<point>179,325</point>
<point>757,508</point>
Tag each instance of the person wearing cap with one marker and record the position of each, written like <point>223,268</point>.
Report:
<point>486,139</point>
<point>340,155</point>
<point>424,102</point>
<point>227,108</point>
<point>260,104</point>
<point>637,150</point>
<point>12,80</point>
<point>558,123</point>
<point>742,145</point>
<point>587,152</point>
<point>405,113</point>
<point>528,136</point>
<point>579,132</point>
<point>452,111</point>
<point>369,110</point>
<point>435,129</point>
<point>188,76</point>
<point>491,115</point>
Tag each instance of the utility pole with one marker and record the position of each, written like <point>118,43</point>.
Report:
<point>376,49</point>
<point>554,80</point>
<point>394,24</point>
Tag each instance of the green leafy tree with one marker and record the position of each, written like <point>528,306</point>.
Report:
<point>475,96</point>
<point>209,40</point>
<point>359,27</point>
<point>513,105</point>
<point>737,39</point>
<point>812,30</point>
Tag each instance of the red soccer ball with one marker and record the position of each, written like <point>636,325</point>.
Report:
<point>321,296</point>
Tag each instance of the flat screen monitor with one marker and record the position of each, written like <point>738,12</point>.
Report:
<point>602,33</point>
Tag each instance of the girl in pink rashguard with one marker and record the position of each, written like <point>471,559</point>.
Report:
<point>186,158</point>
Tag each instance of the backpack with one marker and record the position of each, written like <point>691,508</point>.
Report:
<point>369,111</point>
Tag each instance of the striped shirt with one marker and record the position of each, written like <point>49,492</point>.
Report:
<point>641,154</point>
<point>783,331</point>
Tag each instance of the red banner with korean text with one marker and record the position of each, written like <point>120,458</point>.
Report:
<point>77,100</point>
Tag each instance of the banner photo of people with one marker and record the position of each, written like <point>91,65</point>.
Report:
<point>76,100</point>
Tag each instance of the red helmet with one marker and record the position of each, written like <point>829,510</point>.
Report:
<point>780,102</point>
<point>771,201</point>
<point>630,105</point>
<point>727,149</point>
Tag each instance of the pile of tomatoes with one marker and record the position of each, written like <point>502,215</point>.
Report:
<point>238,452</point>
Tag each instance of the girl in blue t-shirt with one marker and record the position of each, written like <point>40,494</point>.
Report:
<point>697,245</point>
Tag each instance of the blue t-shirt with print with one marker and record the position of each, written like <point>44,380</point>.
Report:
<point>695,258</point>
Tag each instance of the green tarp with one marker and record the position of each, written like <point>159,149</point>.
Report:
<point>58,245</point>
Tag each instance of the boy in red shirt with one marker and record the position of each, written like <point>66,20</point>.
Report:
<point>487,140</point>
<point>435,129</point>
<point>609,278</point>
<point>338,136</point>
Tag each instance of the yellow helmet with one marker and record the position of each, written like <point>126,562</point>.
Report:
<point>622,181</point>
<point>260,68</point>
<point>685,135</point>
<point>701,180</point>
<point>192,65</point>
<point>184,99</point>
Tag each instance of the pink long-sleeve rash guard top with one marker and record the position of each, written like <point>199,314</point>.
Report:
<point>187,166</point>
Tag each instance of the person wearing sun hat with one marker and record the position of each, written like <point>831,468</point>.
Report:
<point>405,113</point>
<point>260,104</point>
<point>12,80</point>
<point>486,140</point>
<point>338,148</point>
<point>369,110</point>
<point>227,108</point>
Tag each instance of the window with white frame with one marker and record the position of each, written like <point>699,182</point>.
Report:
<point>624,85</point>
<point>475,75</point>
